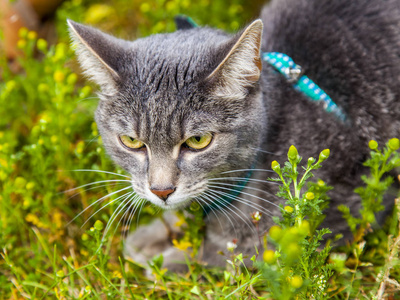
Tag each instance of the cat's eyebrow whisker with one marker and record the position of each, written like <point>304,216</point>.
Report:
<point>241,170</point>
<point>244,201</point>
<point>247,187</point>
<point>264,151</point>
<point>102,198</point>
<point>221,208</point>
<point>228,206</point>
<point>244,179</point>
<point>97,182</point>
<point>100,171</point>
<point>125,196</point>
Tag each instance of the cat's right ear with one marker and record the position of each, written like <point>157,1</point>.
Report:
<point>99,54</point>
<point>241,67</point>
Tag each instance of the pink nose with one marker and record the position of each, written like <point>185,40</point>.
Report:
<point>162,194</point>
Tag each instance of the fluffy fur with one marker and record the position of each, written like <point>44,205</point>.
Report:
<point>166,88</point>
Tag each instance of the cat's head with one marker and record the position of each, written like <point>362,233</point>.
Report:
<point>176,109</point>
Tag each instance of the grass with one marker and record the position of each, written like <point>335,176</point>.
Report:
<point>47,132</point>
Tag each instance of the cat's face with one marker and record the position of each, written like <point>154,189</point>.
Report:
<point>177,109</point>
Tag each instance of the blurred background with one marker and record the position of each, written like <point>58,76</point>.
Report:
<point>47,131</point>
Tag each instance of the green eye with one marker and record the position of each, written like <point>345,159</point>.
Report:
<point>199,142</point>
<point>130,142</point>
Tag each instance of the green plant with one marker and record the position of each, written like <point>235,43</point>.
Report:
<point>380,163</point>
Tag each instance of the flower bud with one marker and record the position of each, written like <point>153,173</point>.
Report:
<point>324,155</point>
<point>372,145</point>
<point>292,153</point>
<point>310,161</point>
<point>60,273</point>
<point>98,225</point>
<point>288,209</point>
<point>394,144</point>
<point>276,166</point>
<point>310,196</point>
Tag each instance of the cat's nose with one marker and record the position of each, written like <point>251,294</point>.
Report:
<point>163,194</point>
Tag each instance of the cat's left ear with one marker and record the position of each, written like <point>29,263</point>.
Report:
<point>99,54</point>
<point>241,67</point>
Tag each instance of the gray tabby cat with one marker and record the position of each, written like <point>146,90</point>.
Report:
<point>191,114</point>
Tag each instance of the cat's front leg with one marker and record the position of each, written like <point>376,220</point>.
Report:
<point>155,239</point>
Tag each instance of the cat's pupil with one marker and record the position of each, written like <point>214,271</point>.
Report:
<point>197,138</point>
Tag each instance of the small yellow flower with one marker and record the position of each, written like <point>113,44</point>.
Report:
<point>145,7</point>
<point>30,185</point>
<point>275,232</point>
<point>58,76</point>
<point>32,35</point>
<point>296,281</point>
<point>54,139</point>
<point>269,256</point>
<point>116,274</point>
<point>23,32</point>
<point>32,218</point>
<point>42,45</point>
<point>181,245</point>
<point>21,44</point>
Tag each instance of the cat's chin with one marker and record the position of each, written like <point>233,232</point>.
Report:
<point>173,206</point>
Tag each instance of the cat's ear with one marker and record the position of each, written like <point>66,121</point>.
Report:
<point>99,54</point>
<point>241,67</point>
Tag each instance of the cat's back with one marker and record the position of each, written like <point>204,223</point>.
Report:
<point>351,49</point>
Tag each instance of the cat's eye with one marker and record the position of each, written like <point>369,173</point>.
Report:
<point>199,142</point>
<point>131,142</point>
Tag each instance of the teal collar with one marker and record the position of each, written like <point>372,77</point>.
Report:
<point>293,73</point>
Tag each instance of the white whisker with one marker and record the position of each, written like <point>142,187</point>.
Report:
<point>120,208</point>
<point>228,206</point>
<point>125,196</point>
<point>244,179</point>
<point>220,208</point>
<point>242,170</point>
<point>100,171</point>
<point>135,204</point>
<point>247,187</point>
<point>96,182</point>
<point>247,194</point>
<point>102,198</point>
<point>199,198</point>
<point>244,201</point>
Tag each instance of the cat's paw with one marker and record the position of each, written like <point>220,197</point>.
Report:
<point>155,239</point>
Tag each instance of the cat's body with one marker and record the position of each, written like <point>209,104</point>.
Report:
<point>165,89</point>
